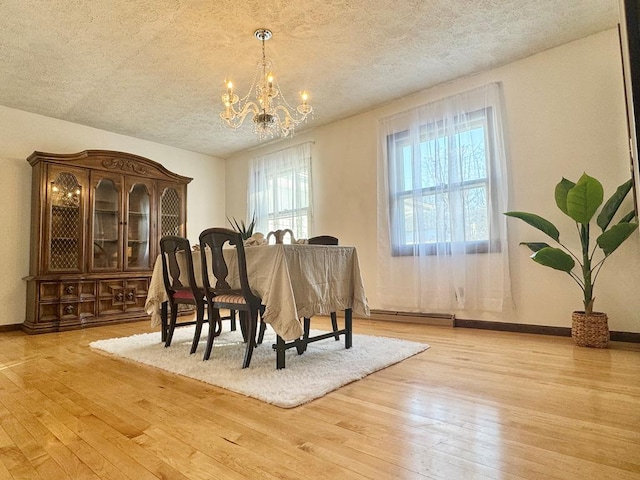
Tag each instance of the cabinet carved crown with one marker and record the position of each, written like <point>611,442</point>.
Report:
<point>124,165</point>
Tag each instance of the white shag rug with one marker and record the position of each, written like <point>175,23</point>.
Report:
<point>325,366</point>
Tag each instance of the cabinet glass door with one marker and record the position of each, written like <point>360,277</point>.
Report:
<point>106,222</point>
<point>65,234</point>
<point>170,213</point>
<point>138,227</point>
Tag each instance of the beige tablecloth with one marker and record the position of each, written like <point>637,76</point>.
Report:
<point>294,281</point>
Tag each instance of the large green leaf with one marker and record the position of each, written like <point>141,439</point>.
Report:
<point>611,206</point>
<point>535,246</point>
<point>554,258</point>
<point>561,193</point>
<point>628,217</point>
<point>613,238</point>
<point>538,222</point>
<point>584,199</point>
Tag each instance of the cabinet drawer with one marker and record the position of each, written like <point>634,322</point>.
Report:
<point>120,296</point>
<point>49,291</point>
<point>77,290</point>
<point>69,290</point>
<point>140,286</point>
<point>66,311</point>
<point>109,288</point>
<point>77,310</point>
<point>48,312</point>
<point>137,290</point>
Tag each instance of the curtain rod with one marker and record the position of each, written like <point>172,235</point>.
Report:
<point>280,149</point>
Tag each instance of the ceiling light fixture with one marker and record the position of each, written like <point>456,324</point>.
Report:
<point>272,114</point>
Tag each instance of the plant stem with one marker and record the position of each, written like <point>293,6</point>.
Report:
<point>586,269</point>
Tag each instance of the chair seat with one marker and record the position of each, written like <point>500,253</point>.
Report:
<point>183,295</point>
<point>230,298</point>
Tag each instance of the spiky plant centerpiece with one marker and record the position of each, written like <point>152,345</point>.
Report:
<point>245,230</point>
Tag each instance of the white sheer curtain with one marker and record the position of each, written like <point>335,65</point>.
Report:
<point>279,192</point>
<point>442,188</point>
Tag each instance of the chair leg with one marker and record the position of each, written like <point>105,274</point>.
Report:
<point>243,324</point>
<point>252,320</point>
<point>263,328</point>
<point>164,321</point>
<point>334,324</point>
<point>232,316</point>
<point>172,324</point>
<point>199,322</point>
<point>214,319</point>
<point>217,330</point>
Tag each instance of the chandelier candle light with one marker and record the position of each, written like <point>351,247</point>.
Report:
<point>272,114</point>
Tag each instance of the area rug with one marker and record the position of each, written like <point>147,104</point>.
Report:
<point>324,367</point>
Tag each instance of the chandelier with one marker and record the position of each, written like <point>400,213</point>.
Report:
<point>272,114</point>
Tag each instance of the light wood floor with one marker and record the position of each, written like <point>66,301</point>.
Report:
<point>476,405</point>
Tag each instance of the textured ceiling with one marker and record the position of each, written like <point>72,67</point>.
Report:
<point>154,69</point>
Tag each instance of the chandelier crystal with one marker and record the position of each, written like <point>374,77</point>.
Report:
<point>271,113</point>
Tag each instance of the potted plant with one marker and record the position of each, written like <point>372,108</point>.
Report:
<point>244,230</point>
<point>580,201</point>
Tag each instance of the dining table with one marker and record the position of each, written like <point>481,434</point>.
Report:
<point>294,281</point>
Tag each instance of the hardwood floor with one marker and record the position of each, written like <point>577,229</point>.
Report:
<point>477,405</point>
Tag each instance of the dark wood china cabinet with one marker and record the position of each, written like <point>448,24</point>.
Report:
<point>96,221</point>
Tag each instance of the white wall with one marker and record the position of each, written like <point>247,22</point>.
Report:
<point>565,115</point>
<point>22,133</point>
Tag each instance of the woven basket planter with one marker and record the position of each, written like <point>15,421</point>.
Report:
<point>590,330</point>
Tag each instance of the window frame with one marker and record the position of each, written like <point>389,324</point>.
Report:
<point>398,195</point>
<point>302,214</point>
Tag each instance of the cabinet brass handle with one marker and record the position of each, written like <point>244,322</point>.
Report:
<point>70,289</point>
<point>119,296</point>
<point>68,309</point>
<point>130,296</point>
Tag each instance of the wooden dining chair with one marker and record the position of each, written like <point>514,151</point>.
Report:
<point>180,285</point>
<point>322,240</point>
<point>222,295</point>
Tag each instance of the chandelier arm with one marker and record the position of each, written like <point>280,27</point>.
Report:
<point>303,109</point>
<point>300,115</point>
<point>248,107</point>
<point>236,118</point>
<point>287,115</point>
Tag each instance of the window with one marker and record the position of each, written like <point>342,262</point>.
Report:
<point>285,209</point>
<point>441,190</point>
<point>280,190</point>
